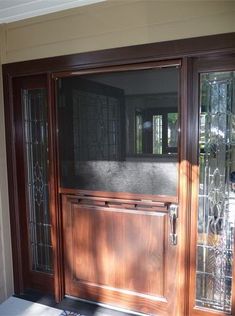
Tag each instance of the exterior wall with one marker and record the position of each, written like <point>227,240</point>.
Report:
<point>114,23</point>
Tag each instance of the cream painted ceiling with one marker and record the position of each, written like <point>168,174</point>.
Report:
<point>15,10</point>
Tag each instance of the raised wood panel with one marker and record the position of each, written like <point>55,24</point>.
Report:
<point>119,256</point>
<point>118,262</point>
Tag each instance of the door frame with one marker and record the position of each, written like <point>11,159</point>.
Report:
<point>189,51</point>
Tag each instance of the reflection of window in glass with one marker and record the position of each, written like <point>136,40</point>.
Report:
<point>203,129</point>
<point>172,129</point>
<point>139,133</point>
<point>156,132</point>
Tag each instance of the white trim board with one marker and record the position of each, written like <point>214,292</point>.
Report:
<point>15,10</point>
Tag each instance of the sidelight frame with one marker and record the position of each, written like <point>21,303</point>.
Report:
<point>207,52</point>
<point>218,63</point>
<point>39,278</point>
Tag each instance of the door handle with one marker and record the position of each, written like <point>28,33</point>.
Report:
<point>173,214</point>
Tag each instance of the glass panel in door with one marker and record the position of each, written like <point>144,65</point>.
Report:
<point>215,243</point>
<point>118,132</point>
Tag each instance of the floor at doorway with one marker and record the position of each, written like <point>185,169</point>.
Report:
<point>34,303</point>
<point>17,307</point>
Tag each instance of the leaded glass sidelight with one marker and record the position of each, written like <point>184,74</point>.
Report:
<point>36,155</point>
<point>216,212</point>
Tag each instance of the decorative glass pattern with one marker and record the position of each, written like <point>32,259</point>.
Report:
<point>216,192</point>
<point>36,150</point>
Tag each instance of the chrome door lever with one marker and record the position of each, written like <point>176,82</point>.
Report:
<point>173,214</point>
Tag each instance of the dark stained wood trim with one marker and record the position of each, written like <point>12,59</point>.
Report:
<point>223,62</point>
<point>198,46</point>
<point>185,185</point>
<point>12,186</point>
<point>55,205</point>
<point>120,68</point>
<point>42,282</point>
<point>194,120</point>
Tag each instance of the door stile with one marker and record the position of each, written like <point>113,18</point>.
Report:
<point>194,188</point>
<point>12,184</point>
<point>185,184</point>
<point>55,205</point>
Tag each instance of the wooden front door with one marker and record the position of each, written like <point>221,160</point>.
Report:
<point>121,203</point>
